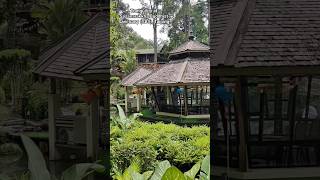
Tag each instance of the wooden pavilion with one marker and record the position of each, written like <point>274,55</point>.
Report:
<point>181,87</point>
<point>265,78</point>
<point>129,83</point>
<point>83,56</point>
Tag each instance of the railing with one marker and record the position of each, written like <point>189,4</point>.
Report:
<point>192,110</point>
<point>172,109</point>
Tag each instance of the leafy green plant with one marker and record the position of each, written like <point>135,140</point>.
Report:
<point>182,146</point>
<point>57,18</point>
<point>164,171</point>
<point>122,120</point>
<point>38,169</point>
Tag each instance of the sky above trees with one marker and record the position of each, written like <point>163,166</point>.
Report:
<point>144,30</point>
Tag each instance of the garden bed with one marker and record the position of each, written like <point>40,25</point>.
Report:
<point>154,142</point>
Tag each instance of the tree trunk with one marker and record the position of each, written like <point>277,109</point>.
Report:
<point>155,44</point>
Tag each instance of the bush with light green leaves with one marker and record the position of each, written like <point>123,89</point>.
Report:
<point>165,171</point>
<point>182,146</point>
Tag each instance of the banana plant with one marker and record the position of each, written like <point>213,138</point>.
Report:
<point>38,169</point>
<point>164,171</point>
<point>123,120</point>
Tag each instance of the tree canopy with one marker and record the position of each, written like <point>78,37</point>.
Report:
<point>199,16</point>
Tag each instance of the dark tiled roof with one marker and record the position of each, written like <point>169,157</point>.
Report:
<point>135,76</point>
<point>190,46</point>
<point>98,65</point>
<point>265,32</point>
<point>86,43</point>
<point>185,71</point>
<point>141,72</point>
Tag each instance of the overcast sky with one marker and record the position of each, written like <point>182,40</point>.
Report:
<point>146,30</point>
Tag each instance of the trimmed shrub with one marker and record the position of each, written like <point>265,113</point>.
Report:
<point>182,146</point>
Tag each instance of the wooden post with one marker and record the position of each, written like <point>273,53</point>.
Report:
<point>261,119</point>
<point>278,124</point>
<point>53,100</point>
<point>126,99</point>
<point>306,115</point>
<point>291,118</point>
<point>93,130</point>
<point>185,101</point>
<point>241,103</point>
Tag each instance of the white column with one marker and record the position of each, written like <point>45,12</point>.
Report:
<point>138,102</point>
<point>145,96</point>
<point>126,99</point>
<point>93,130</point>
<point>168,95</point>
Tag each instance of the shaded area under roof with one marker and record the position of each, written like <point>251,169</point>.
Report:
<point>186,71</point>
<point>265,33</point>
<point>85,44</point>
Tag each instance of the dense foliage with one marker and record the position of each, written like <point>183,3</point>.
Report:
<point>198,17</point>
<point>182,146</point>
<point>37,167</point>
<point>58,17</point>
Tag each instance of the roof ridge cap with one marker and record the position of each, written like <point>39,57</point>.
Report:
<point>182,71</point>
<point>92,61</point>
<point>76,34</point>
<point>228,37</point>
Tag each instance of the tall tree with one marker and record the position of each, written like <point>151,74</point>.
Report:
<point>161,10</point>
<point>179,31</point>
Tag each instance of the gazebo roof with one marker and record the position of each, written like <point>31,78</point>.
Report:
<point>85,44</point>
<point>184,71</point>
<point>141,72</point>
<point>190,46</point>
<point>265,33</point>
<point>96,68</point>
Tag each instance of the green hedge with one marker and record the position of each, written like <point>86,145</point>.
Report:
<point>182,146</point>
